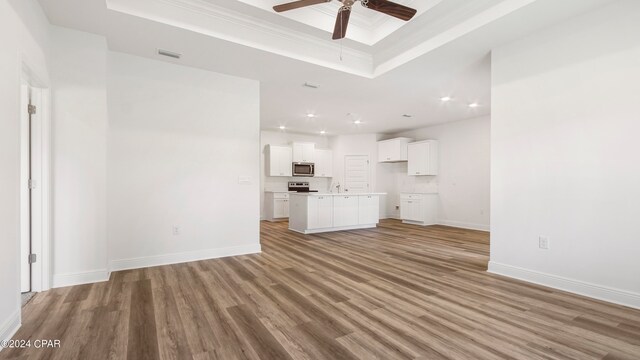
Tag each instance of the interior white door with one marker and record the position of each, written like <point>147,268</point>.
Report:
<point>25,191</point>
<point>356,173</point>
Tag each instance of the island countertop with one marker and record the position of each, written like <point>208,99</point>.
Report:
<point>334,194</point>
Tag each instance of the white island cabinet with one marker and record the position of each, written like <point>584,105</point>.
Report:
<point>313,212</point>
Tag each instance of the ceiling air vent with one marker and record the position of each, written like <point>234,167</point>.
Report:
<point>170,54</point>
<point>313,86</point>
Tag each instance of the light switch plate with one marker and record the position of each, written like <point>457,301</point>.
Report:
<point>245,180</point>
<point>543,242</point>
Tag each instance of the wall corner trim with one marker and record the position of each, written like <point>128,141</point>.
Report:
<point>10,326</point>
<point>177,258</point>
<point>599,292</point>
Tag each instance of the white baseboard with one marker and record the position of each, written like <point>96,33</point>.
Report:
<point>88,277</point>
<point>463,225</point>
<point>333,229</point>
<point>599,292</point>
<point>457,224</point>
<point>168,259</point>
<point>10,326</point>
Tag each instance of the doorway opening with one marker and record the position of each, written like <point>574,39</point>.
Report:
<point>27,110</point>
<point>34,186</point>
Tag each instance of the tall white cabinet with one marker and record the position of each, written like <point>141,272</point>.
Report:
<point>278,160</point>
<point>324,163</point>
<point>422,158</point>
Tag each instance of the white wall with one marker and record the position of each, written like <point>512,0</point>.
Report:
<point>276,183</point>
<point>463,181</point>
<point>564,160</point>
<point>24,39</point>
<point>179,139</point>
<point>79,109</point>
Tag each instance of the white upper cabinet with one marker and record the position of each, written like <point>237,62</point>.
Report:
<point>324,163</point>
<point>279,159</point>
<point>303,152</point>
<point>393,150</point>
<point>423,158</point>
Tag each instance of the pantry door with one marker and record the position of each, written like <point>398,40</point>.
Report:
<point>356,173</point>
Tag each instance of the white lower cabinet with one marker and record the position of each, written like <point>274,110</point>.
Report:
<point>345,210</point>
<point>368,209</point>
<point>281,208</point>
<point>276,206</point>
<point>419,209</point>
<point>313,213</point>
<point>320,212</point>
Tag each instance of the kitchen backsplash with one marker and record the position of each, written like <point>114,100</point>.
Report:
<point>280,183</point>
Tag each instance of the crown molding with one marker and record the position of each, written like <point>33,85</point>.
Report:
<point>282,40</point>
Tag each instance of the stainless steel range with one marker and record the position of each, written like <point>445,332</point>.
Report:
<point>300,186</point>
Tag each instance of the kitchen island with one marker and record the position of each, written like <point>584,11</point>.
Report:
<point>311,213</point>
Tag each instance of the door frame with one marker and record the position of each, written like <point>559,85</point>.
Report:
<point>41,210</point>
<point>368,170</point>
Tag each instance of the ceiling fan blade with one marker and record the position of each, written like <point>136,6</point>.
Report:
<point>297,4</point>
<point>390,8</point>
<point>342,21</point>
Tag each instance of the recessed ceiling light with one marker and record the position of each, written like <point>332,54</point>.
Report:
<point>282,127</point>
<point>445,98</point>
<point>357,122</point>
<point>310,115</point>
<point>323,132</point>
<point>474,105</point>
<point>407,115</point>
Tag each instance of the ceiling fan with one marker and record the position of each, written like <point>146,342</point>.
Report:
<point>340,30</point>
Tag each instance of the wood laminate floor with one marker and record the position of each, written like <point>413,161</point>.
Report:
<point>395,292</point>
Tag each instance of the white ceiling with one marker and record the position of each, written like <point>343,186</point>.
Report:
<point>443,51</point>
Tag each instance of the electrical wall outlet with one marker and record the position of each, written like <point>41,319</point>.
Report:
<point>543,242</point>
<point>176,230</point>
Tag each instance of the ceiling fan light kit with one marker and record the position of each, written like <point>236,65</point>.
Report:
<point>342,20</point>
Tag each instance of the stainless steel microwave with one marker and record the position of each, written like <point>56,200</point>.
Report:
<point>303,169</point>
